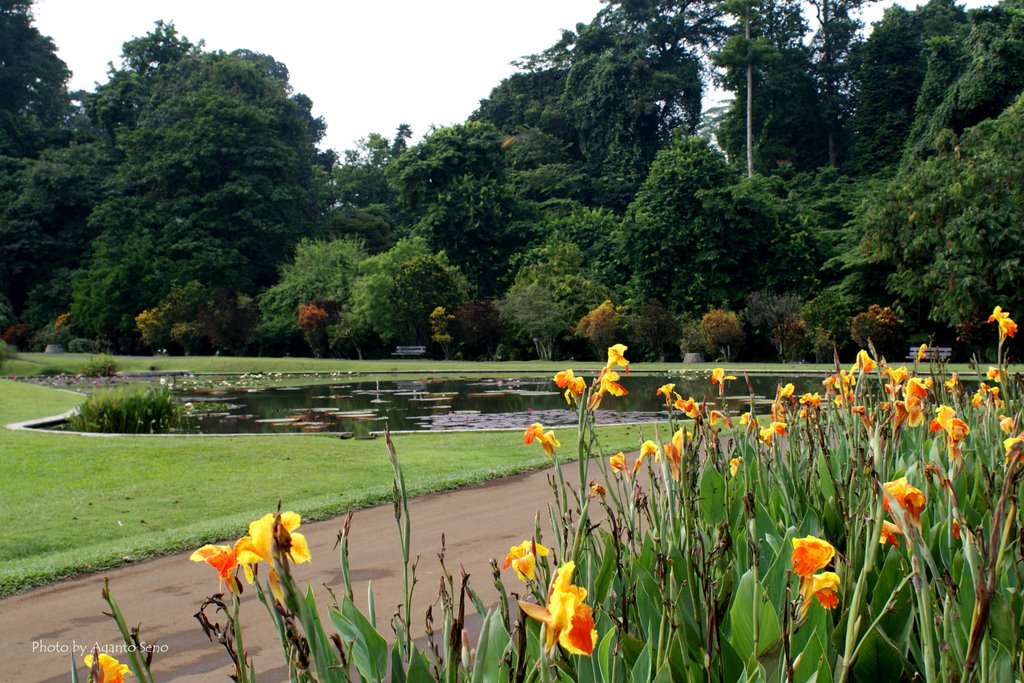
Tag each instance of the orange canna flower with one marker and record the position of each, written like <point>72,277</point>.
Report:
<point>955,428</point>
<point>688,406</point>
<point>532,432</point>
<point>812,400</point>
<point>111,670</point>
<point>1007,424</point>
<point>915,389</point>
<point>897,376</point>
<point>523,559</point>
<point>618,462</point>
<point>953,383</point>
<point>994,374</point>
<point>568,620</point>
<point>1007,328</point>
<point>649,448</point>
<point>563,378</point>
<point>810,554</point>
<point>911,499</point>
<point>222,558</point>
<point>575,389</point>
<point>610,384</point>
<point>821,586</point>
<point>768,434</point>
<point>889,533</point>
<point>615,357</point>
<point>716,416</point>
<point>598,490</point>
<point>921,352</point>
<point>666,390</point>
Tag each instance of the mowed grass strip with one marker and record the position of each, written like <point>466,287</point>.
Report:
<point>83,503</point>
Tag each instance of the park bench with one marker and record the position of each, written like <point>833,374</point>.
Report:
<point>410,351</point>
<point>931,353</point>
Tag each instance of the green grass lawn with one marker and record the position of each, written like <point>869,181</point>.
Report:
<point>78,503</point>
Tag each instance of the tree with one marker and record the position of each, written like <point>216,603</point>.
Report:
<point>34,100</point>
<point>532,309</point>
<point>653,330</point>
<point>478,325</point>
<point>453,188</point>
<point>422,285</point>
<point>441,323</point>
<point>778,317</point>
<point>949,228</point>
<point>218,177</point>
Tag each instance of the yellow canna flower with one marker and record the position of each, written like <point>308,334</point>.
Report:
<point>1007,328</point>
<point>111,670</point>
<point>921,352</point>
<point>568,620</point>
<point>1011,446</point>
<point>734,465</point>
<point>615,357</point>
<point>598,490</point>
<point>821,586</point>
<point>547,440</point>
<point>522,559</point>
<point>666,390</point>
<point>1007,424</point>
<point>259,544</point>
<point>563,378</point>
<point>810,554</point>
<point>688,406</point>
<point>719,377</point>
<point>618,462</point>
<point>716,416</point>
<point>649,448</point>
<point>994,374</point>
<point>768,434</point>
<point>865,363</point>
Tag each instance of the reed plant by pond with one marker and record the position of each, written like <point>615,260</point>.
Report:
<point>132,409</point>
<point>867,531</point>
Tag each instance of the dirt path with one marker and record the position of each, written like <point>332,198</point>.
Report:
<point>41,629</point>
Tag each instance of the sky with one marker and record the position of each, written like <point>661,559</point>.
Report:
<point>368,66</point>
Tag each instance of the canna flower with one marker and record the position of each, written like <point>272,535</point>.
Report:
<point>889,533</point>
<point>768,434</point>
<point>666,390</point>
<point>1007,424</point>
<point>822,586</point>
<point>994,374</point>
<point>810,554</point>
<point>955,428</point>
<point>812,400</point>
<point>607,384</point>
<point>674,452</point>
<point>719,377</point>
<point>618,462</point>
<point>261,541</point>
<point>915,389</point>
<point>523,559</point>
<point>547,440</point>
<point>574,386</point>
<point>897,376</point>
<point>864,363</point>
<point>598,490</point>
<point>953,383</point>
<point>649,448</point>
<point>911,499</point>
<point>734,465</point>
<point>716,416</point>
<point>615,357</point>
<point>1007,328</point>
<point>921,352</point>
<point>1013,445</point>
<point>784,392</point>
<point>569,620</point>
<point>111,670</point>
<point>688,406</point>
<point>223,558</point>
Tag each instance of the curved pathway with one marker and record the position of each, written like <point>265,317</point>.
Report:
<point>40,630</point>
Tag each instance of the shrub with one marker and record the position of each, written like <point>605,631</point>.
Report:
<point>722,333</point>
<point>654,329</point>
<point>600,327</point>
<point>879,325</point>
<point>127,410</point>
<point>100,366</point>
<point>82,345</point>
<point>691,338</point>
<point>777,317</point>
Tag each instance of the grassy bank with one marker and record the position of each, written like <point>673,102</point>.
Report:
<point>77,503</point>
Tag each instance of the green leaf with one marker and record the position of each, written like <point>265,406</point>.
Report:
<point>877,660</point>
<point>607,571</point>
<point>369,649</point>
<point>419,668</point>
<point>741,619</point>
<point>711,486</point>
<point>490,649</point>
<point>642,668</point>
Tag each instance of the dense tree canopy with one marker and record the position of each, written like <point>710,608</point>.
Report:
<point>185,203</point>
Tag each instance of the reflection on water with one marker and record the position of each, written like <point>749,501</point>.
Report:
<point>359,408</point>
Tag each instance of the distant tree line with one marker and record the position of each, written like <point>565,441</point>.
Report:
<point>858,186</point>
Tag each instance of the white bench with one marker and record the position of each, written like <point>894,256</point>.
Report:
<point>410,351</point>
<point>941,353</point>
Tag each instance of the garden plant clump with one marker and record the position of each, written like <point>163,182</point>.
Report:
<point>870,530</point>
<point>128,410</point>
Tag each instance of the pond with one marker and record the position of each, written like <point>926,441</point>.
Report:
<point>361,408</point>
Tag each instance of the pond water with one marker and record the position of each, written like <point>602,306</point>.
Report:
<point>360,408</point>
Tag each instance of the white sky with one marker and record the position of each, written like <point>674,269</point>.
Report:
<point>368,65</point>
